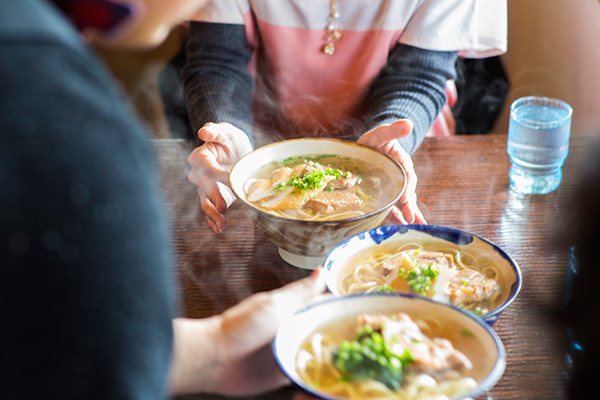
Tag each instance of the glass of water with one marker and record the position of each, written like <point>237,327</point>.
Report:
<point>538,143</point>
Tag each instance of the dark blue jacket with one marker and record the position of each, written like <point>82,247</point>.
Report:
<point>85,285</point>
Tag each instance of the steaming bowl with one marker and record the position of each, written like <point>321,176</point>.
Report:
<point>468,333</point>
<point>306,243</point>
<point>340,259</point>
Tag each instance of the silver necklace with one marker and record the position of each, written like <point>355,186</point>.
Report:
<point>332,29</point>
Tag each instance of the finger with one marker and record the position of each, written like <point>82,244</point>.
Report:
<point>253,322</point>
<point>219,193</point>
<point>399,154</point>
<point>215,196</point>
<point>299,294</point>
<point>211,212</point>
<point>204,162</point>
<point>405,160</point>
<point>396,216</point>
<point>419,218</point>
<point>411,185</point>
<point>212,225</point>
<point>211,132</point>
<point>383,134</point>
<point>201,180</point>
<point>411,208</point>
<point>233,139</point>
<point>407,208</point>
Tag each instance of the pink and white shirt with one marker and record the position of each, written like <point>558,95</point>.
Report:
<point>311,84</point>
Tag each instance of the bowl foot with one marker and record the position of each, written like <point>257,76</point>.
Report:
<point>301,261</point>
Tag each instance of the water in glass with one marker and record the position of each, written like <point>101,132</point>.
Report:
<point>538,143</point>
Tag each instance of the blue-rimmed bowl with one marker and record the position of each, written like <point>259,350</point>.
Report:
<point>467,333</point>
<point>340,258</point>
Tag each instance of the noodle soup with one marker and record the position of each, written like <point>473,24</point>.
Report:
<point>318,188</point>
<point>442,263</point>
<point>304,237</point>
<point>394,356</point>
<point>437,270</point>
<point>388,346</point>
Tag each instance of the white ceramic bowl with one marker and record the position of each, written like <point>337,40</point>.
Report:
<point>306,243</point>
<point>340,259</point>
<point>482,345</point>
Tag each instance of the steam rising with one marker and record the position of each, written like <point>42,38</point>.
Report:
<point>311,119</point>
<point>202,254</point>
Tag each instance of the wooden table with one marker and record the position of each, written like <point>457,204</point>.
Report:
<point>463,183</point>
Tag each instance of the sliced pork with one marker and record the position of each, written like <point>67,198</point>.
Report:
<point>434,356</point>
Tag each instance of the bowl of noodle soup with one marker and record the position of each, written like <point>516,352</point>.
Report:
<point>308,194</point>
<point>445,264</point>
<point>389,346</point>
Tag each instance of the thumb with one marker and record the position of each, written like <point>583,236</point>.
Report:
<point>386,133</point>
<point>298,295</point>
<point>253,323</point>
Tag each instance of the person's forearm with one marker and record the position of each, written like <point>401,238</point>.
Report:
<point>411,85</point>
<point>217,84</point>
<point>195,353</point>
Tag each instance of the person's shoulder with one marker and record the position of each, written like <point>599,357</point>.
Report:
<point>60,103</point>
<point>58,90</point>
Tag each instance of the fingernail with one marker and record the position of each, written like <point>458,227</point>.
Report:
<point>217,228</point>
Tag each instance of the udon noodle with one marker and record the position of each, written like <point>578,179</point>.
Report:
<point>441,271</point>
<point>427,367</point>
<point>318,188</point>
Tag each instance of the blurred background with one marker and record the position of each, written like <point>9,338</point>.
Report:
<point>553,50</point>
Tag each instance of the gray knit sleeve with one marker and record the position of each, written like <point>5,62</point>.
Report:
<point>411,85</point>
<point>217,84</point>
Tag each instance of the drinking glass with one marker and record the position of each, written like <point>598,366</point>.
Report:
<point>538,143</point>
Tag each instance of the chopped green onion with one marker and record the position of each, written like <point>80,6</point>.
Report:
<point>312,180</point>
<point>384,289</point>
<point>420,278</point>
<point>369,357</point>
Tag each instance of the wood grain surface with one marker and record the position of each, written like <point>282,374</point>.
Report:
<point>463,183</point>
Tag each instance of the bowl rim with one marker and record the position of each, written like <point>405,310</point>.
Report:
<point>328,222</point>
<point>486,384</point>
<point>515,288</point>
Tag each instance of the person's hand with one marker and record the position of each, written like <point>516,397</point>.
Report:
<point>384,138</point>
<point>247,330</point>
<point>230,354</point>
<point>224,144</point>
